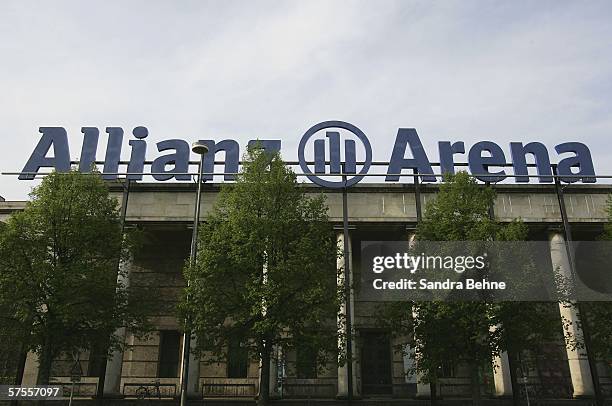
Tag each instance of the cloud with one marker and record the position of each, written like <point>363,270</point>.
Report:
<point>454,70</point>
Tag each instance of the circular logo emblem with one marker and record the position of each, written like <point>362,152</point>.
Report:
<point>335,154</point>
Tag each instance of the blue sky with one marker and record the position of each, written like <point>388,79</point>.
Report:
<point>454,70</point>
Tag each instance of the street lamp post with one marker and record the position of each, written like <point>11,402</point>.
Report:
<point>201,149</point>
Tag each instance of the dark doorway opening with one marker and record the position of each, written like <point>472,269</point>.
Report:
<point>376,363</point>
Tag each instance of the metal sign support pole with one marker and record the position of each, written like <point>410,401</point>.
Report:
<point>347,292</point>
<point>192,262</point>
<point>417,194</point>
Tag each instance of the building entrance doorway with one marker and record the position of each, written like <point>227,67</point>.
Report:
<point>376,363</point>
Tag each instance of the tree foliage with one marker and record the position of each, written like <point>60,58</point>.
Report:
<point>59,262</point>
<point>266,267</point>
<point>598,314</point>
<point>469,332</point>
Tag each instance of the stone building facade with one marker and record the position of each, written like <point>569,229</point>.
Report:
<point>376,212</point>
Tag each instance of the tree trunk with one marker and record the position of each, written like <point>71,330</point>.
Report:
<point>475,384</point>
<point>264,380</point>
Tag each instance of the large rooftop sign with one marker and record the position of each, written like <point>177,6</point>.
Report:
<point>485,159</point>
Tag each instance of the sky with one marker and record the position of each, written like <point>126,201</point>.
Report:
<point>454,70</point>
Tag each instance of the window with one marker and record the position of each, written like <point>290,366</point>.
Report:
<point>96,360</point>
<point>237,360</point>
<point>447,370</point>
<point>376,363</point>
<point>410,375</point>
<point>62,365</point>
<point>306,362</point>
<point>9,359</point>
<point>169,347</point>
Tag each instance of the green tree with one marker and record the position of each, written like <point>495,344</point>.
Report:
<point>461,212</point>
<point>597,315</point>
<point>10,350</point>
<point>470,332</point>
<point>266,268</point>
<point>59,262</point>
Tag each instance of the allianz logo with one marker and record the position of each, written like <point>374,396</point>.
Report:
<point>485,159</point>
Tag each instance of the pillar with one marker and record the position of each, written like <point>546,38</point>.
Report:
<point>273,387</point>
<point>408,363</point>
<point>501,372</point>
<point>501,375</point>
<point>580,372</point>
<point>114,363</point>
<point>114,367</point>
<point>193,371</point>
<point>193,374</point>
<point>276,372</point>
<point>30,370</point>
<point>342,370</point>
<point>423,389</point>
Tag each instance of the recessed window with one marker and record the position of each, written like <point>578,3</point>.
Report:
<point>447,369</point>
<point>237,360</point>
<point>306,362</point>
<point>97,360</point>
<point>169,356</point>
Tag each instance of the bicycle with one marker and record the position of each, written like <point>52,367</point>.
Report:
<point>143,391</point>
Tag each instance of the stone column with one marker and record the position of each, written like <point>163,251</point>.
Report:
<point>576,358</point>
<point>342,370</point>
<point>501,375</point>
<point>193,388</point>
<point>193,371</point>
<point>423,389</point>
<point>30,370</point>
<point>114,367</point>
<point>501,372</point>
<point>409,364</point>
<point>273,388</point>
<point>272,373</point>
<point>114,364</point>
<point>276,371</point>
